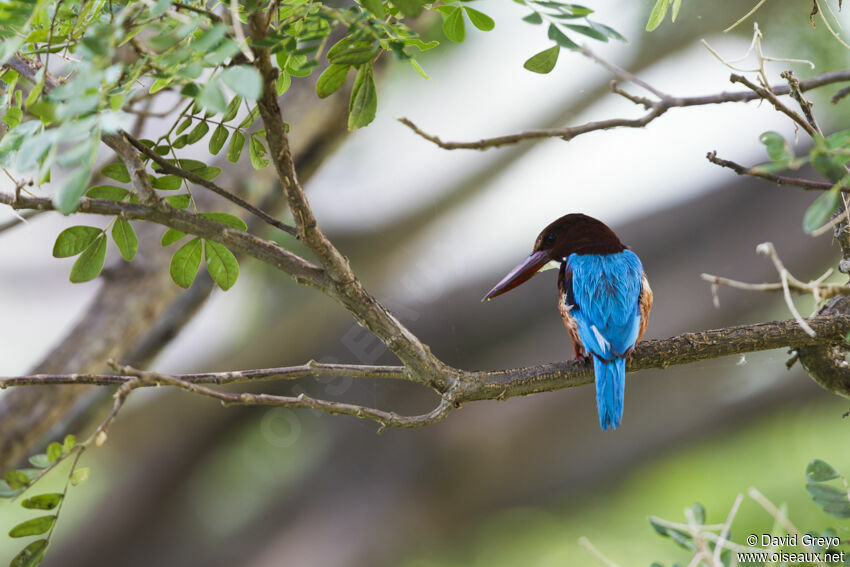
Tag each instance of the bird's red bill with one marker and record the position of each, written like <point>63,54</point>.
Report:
<point>520,274</point>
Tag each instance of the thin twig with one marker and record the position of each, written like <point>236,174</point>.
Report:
<point>780,517</point>
<point>821,291</point>
<point>169,167</point>
<point>384,418</point>
<point>832,223</point>
<point>656,109</point>
<point>768,95</point>
<point>808,184</point>
<point>310,370</point>
<point>264,250</point>
<point>594,551</point>
<point>727,527</point>
<point>745,16</point>
<point>19,220</point>
<point>843,92</point>
<point>805,105</point>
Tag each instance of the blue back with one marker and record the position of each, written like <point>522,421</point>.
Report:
<point>606,292</point>
<point>606,289</point>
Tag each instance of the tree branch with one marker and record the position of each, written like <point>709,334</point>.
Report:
<point>264,250</point>
<point>808,184</point>
<point>169,167</point>
<point>662,104</point>
<point>473,385</point>
<point>770,96</point>
<point>345,287</point>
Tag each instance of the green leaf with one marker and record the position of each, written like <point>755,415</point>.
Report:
<point>533,18</point>
<point>117,171</point>
<point>657,14</point>
<point>13,116</point>
<point>212,97</point>
<point>284,81</point>
<point>69,443</point>
<point>109,192</point>
<point>819,212</point>
<point>36,526</point>
<point>244,80</point>
<point>699,513</point>
<point>250,118</point>
<point>80,476</point>
<point>198,132</point>
<point>677,4</point>
<point>410,8</point>
<point>209,172</point>
<point>74,240</point>
<point>221,264</point>
<point>42,501</point>
<point>228,219</point>
<point>234,149</point>
<point>820,471</point>
<point>31,555</point>
<point>364,99</point>
<point>479,19</point>
<point>14,138</point>
<point>125,238</point>
<point>825,493</point>
<point>257,152</point>
<point>171,236</point>
<point>354,53</point>
<point>183,125</point>
<point>39,461</point>
<point>218,139</point>
<point>54,452</point>
<point>16,479</point>
<point>560,38</point>
<point>185,263</point>
<point>588,31</point>
<point>167,182</point>
<point>374,6</point>
<point>453,24</point>
<point>90,263</point>
<point>777,148</point>
<point>544,61</point>
<point>232,109</point>
<point>179,201</point>
<point>68,195</point>
<point>331,80</point>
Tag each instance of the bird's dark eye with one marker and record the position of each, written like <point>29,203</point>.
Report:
<point>550,238</point>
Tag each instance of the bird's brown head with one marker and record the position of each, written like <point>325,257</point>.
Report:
<point>571,234</point>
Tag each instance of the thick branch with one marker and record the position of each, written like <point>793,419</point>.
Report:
<point>661,353</point>
<point>472,386</point>
<point>345,287</point>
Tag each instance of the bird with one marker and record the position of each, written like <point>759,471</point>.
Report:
<point>604,299</point>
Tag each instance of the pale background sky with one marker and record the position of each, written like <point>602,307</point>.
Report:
<point>480,90</point>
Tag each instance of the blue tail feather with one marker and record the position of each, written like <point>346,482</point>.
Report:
<point>610,390</point>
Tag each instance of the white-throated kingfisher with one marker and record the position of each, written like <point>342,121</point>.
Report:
<point>603,296</point>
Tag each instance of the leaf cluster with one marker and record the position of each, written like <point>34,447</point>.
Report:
<point>16,482</point>
<point>828,155</point>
